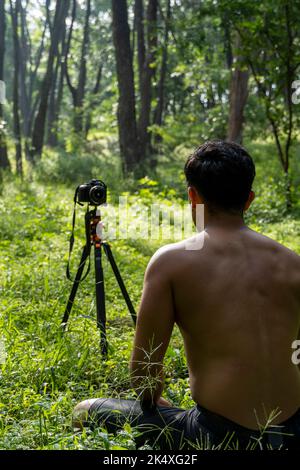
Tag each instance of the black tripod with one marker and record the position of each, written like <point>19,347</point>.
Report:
<point>93,231</point>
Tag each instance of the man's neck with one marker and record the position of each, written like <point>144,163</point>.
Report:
<point>223,221</point>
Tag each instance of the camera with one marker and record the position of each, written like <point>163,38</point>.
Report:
<point>93,192</point>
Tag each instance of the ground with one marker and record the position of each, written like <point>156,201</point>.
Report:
<point>45,372</point>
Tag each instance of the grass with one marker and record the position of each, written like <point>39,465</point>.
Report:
<point>46,373</point>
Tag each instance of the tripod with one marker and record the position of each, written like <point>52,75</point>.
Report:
<point>93,230</point>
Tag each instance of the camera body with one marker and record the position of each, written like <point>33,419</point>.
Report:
<point>93,193</point>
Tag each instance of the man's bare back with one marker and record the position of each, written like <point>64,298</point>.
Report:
<point>237,304</point>
<point>236,300</point>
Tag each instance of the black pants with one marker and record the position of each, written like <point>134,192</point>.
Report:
<point>171,428</point>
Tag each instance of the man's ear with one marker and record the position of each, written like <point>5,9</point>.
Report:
<point>191,194</point>
<point>194,196</point>
<point>249,200</point>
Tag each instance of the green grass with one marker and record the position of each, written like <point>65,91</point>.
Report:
<point>46,373</point>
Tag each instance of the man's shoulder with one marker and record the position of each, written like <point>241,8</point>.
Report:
<point>168,257</point>
<point>279,253</point>
<point>174,257</point>
<point>166,252</point>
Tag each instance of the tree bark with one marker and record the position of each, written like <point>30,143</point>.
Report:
<point>58,96</point>
<point>94,100</point>
<point>78,93</point>
<point>128,139</point>
<point>15,11</point>
<point>141,52</point>
<point>238,97</point>
<point>4,162</point>
<point>52,105</point>
<point>61,11</point>
<point>158,114</point>
<point>148,72</point>
<point>25,58</point>
<point>30,79</point>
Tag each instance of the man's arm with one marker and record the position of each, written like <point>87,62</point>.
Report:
<point>155,323</point>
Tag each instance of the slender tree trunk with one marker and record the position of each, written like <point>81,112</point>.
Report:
<point>24,61</point>
<point>94,100</point>
<point>53,131</point>
<point>4,162</point>
<point>238,97</point>
<point>40,120</point>
<point>29,113</point>
<point>146,81</point>
<point>15,11</point>
<point>79,107</point>
<point>158,114</point>
<point>128,139</point>
<point>289,80</point>
<point>227,42</point>
<point>52,104</point>
<point>78,93</point>
<point>141,52</point>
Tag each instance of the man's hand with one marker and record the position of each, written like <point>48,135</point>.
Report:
<point>155,323</point>
<point>162,402</point>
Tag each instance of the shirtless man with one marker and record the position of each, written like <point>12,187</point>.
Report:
<point>236,302</point>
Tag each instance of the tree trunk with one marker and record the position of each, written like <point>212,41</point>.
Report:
<point>30,80</point>
<point>61,11</point>
<point>4,162</point>
<point>14,11</point>
<point>52,102</point>
<point>158,114</point>
<point>79,111</point>
<point>238,97</point>
<point>94,100</point>
<point>148,72</point>
<point>25,104</point>
<point>57,98</point>
<point>128,139</point>
<point>141,52</point>
<point>78,93</point>
<point>227,42</point>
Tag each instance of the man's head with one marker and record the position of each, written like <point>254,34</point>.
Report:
<point>220,175</point>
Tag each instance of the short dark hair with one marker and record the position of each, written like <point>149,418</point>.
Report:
<point>222,173</point>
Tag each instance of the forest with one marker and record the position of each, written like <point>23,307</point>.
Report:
<point>122,91</point>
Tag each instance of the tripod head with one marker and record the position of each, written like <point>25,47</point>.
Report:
<point>94,193</point>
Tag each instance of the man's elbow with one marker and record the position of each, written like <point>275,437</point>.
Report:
<point>148,387</point>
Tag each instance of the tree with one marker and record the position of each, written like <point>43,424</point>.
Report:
<point>270,47</point>
<point>78,93</point>
<point>238,95</point>
<point>128,138</point>
<point>95,93</point>
<point>15,12</point>
<point>30,59</point>
<point>38,133</point>
<point>160,107</point>
<point>146,59</point>
<point>4,162</point>
<point>57,90</point>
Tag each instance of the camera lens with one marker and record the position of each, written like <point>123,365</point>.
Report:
<point>97,195</point>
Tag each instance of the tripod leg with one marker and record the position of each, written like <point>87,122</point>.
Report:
<point>100,299</point>
<point>84,256</point>
<point>118,276</point>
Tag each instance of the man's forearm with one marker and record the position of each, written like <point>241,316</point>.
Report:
<point>149,386</point>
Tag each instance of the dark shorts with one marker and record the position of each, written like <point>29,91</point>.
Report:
<point>171,428</point>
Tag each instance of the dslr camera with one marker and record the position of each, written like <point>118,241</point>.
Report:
<point>93,193</point>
